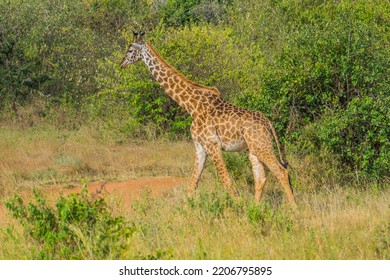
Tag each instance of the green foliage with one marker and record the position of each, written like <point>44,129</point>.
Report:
<point>158,255</point>
<point>331,69</point>
<point>109,16</point>
<point>239,167</point>
<point>357,135</point>
<point>266,218</point>
<point>49,49</point>
<point>179,13</point>
<point>318,69</point>
<point>80,226</point>
<point>212,204</point>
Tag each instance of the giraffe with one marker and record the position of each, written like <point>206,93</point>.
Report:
<point>217,125</point>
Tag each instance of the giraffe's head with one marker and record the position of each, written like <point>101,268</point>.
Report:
<point>133,53</point>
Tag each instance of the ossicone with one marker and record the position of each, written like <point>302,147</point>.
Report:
<point>142,33</point>
<point>138,37</point>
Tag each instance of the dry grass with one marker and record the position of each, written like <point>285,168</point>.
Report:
<point>342,225</point>
<point>46,157</point>
<point>333,221</point>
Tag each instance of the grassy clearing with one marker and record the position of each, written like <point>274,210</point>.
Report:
<point>334,221</point>
<point>46,156</point>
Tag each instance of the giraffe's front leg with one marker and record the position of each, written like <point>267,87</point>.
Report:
<point>214,151</point>
<point>200,159</point>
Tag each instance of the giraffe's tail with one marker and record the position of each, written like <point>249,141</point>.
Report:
<point>283,162</point>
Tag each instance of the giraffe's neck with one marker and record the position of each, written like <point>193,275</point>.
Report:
<point>187,94</point>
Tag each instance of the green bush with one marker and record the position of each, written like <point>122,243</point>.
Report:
<point>50,49</point>
<point>80,226</point>
<point>330,69</point>
<point>358,136</point>
<point>266,218</point>
<point>239,168</point>
<point>184,12</point>
<point>212,205</point>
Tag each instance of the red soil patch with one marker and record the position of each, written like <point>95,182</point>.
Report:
<point>127,190</point>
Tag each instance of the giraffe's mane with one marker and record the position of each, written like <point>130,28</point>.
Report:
<point>180,75</point>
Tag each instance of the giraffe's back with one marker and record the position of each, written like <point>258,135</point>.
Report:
<point>232,123</point>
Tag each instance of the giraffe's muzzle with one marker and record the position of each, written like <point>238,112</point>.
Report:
<point>124,63</point>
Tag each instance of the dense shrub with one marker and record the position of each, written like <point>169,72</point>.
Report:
<point>330,69</point>
<point>80,226</point>
<point>357,135</point>
<point>50,49</point>
<point>183,12</point>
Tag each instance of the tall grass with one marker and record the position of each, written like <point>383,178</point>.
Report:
<point>344,224</point>
<point>336,219</point>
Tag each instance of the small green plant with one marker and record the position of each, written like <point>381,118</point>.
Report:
<point>239,167</point>
<point>212,204</point>
<point>266,218</point>
<point>158,255</point>
<point>79,226</point>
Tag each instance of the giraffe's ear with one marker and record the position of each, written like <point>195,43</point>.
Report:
<point>135,33</point>
<point>142,33</point>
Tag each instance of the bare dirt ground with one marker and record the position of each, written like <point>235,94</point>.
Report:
<point>127,190</point>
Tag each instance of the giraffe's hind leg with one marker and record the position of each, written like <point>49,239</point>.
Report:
<point>269,159</point>
<point>200,159</point>
<point>259,176</point>
<point>282,174</point>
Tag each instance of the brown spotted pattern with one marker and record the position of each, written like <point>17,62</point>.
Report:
<point>217,125</point>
